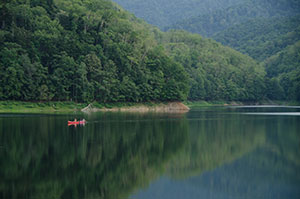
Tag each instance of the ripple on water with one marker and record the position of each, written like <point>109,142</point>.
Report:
<point>274,113</point>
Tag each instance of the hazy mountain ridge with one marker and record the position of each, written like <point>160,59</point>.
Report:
<point>163,13</point>
<point>261,38</point>
<point>219,20</point>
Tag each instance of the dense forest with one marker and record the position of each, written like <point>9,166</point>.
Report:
<point>261,38</point>
<point>258,28</point>
<point>93,50</point>
<point>82,51</point>
<point>216,72</point>
<point>283,73</point>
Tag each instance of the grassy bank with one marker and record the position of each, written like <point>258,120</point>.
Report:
<point>39,107</point>
<point>192,104</point>
<point>67,107</point>
<point>60,107</point>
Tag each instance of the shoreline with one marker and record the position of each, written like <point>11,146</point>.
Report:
<point>156,107</point>
<point>71,107</point>
<point>39,107</point>
<point>192,104</point>
<point>170,107</point>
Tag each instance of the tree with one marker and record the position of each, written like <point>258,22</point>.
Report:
<point>63,77</point>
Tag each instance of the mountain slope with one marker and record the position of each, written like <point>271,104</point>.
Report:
<point>266,30</point>
<point>283,70</point>
<point>219,20</point>
<point>163,13</point>
<point>216,72</point>
<point>82,51</point>
<point>261,38</point>
<point>93,50</point>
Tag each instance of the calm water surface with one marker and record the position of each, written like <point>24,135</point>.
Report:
<point>217,152</point>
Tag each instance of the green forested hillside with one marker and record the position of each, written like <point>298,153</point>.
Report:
<point>82,51</point>
<point>283,74</point>
<point>86,50</point>
<point>262,38</point>
<point>163,13</point>
<point>216,72</point>
<point>219,20</point>
<point>260,29</point>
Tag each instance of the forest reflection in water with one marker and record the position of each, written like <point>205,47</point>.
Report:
<point>231,154</point>
<point>41,157</point>
<point>119,154</point>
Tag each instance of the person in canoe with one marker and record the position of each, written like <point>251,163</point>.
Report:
<point>75,122</point>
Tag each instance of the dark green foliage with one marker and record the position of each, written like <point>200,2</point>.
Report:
<point>93,50</point>
<point>284,71</point>
<point>82,51</point>
<point>275,90</point>
<point>216,72</point>
<point>258,28</point>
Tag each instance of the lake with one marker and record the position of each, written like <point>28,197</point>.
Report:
<point>214,152</point>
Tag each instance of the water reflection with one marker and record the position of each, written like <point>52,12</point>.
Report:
<point>207,153</point>
<point>114,154</point>
<point>215,139</point>
<point>233,155</point>
<point>276,113</point>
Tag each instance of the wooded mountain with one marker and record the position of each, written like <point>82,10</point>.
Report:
<point>258,28</point>
<point>283,72</point>
<point>216,72</point>
<point>83,50</point>
<point>86,50</point>
<point>163,13</point>
<point>261,38</point>
<point>219,20</point>
<point>93,50</point>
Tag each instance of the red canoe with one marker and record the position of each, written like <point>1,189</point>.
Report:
<point>76,122</point>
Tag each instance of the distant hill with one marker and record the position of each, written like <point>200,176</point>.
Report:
<point>219,20</point>
<point>261,38</point>
<point>163,13</point>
